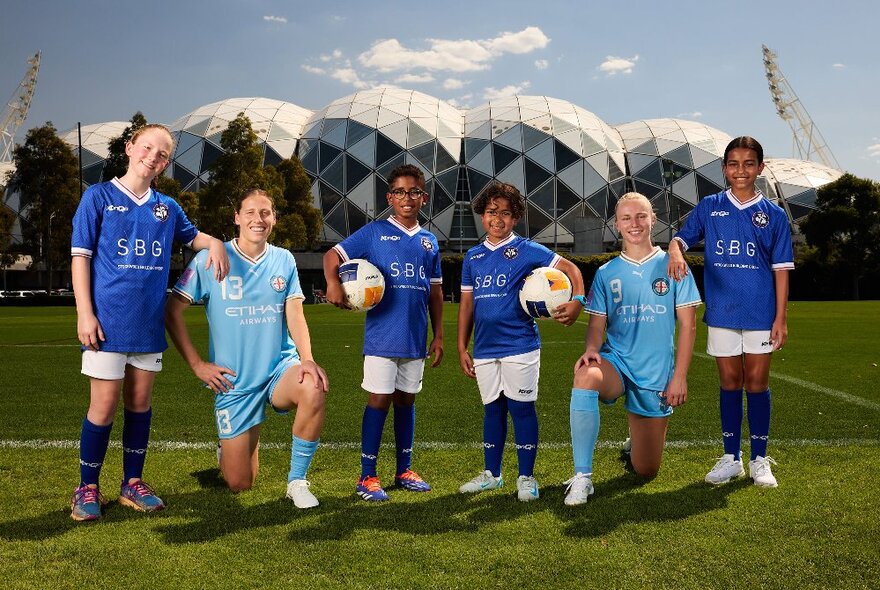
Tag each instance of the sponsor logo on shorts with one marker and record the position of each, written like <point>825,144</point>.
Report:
<point>159,361</point>
<point>160,211</point>
<point>660,286</point>
<point>525,391</point>
<point>278,283</point>
<point>511,253</point>
<point>760,219</point>
<point>767,343</point>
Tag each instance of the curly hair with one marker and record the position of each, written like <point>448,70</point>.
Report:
<point>501,190</point>
<point>407,170</point>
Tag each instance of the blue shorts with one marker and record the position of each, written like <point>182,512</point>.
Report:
<point>236,413</point>
<point>644,402</point>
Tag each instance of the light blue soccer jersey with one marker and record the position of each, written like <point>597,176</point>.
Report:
<point>129,241</point>
<point>495,273</point>
<point>745,243</point>
<point>639,301</point>
<point>248,326</point>
<point>409,259</point>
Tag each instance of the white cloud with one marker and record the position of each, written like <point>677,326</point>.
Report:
<point>462,55</point>
<point>691,115</point>
<point>414,79</point>
<point>276,19</point>
<point>838,66</point>
<point>542,64</point>
<point>337,54</point>
<point>618,65</point>
<point>349,76</point>
<point>874,150</point>
<point>313,69</point>
<point>509,90</point>
<point>453,84</point>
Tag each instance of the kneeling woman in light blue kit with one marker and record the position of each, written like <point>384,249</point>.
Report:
<point>630,348</point>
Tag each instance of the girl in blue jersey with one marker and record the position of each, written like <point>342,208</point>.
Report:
<point>748,257</point>
<point>506,358</point>
<point>397,328</point>
<point>633,311</point>
<point>261,351</point>
<point>123,233</point>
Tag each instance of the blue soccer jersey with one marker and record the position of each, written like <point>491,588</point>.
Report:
<point>745,243</point>
<point>409,259</point>
<point>494,274</point>
<point>129,240</point>
<point>639,301</point>
<point>248,326</point>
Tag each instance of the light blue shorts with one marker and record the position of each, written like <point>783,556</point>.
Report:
<point>236,413</point>
<point>643,402</point>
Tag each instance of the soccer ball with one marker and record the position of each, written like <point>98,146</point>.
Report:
<point>363,284</point>
<point>543,290</point>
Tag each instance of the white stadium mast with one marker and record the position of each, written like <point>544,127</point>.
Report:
<point>15,111</point>
<point>808,140</point>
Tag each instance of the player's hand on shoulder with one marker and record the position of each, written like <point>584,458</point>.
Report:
<point>589,357</point>
<point>319,377</point>
<point>435,351</point>
<point>467,364</point>
<point>677,268</point>
<point>567,313</point>
<point>336,296</point>
<point>214,376</point>
<point>89,331</point>
<point>218,258</point>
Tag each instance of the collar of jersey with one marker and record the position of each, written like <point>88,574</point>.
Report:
<point>410,232</point>
<point>656,251</point>
<point>138,200</point>
<point>245,257</point>
<point>758,196</point>
<point>503,242</point>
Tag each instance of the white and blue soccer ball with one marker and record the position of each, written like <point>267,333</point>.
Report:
<point>543,290</point>
<point>363,284</point>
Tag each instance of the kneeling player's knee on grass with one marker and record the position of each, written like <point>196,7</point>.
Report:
<point>240,483</point>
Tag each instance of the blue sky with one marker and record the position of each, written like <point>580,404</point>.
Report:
<point>624,61</point>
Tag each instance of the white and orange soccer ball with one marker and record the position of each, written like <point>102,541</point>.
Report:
<point>543,290</point>
<point>363,284</point>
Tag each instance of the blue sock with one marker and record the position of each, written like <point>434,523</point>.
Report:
<point>731,401</point>
<point>525,434</point>
<point>371,437</point>
<point>404,432</point>
<point>494,434</point>
<point>584,419</point>
<point>93,441</point>
<point>301,453</point>
<point>759,421</point>
<point>135,438</point>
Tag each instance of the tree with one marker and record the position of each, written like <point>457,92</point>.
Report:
<point>845,227</point>
<point>116,163</point>
<point>238,169</point>
<point>7,220</point>
<point>46,177</point>
<point>298,198</point>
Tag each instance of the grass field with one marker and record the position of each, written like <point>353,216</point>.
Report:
<point>820,528</point>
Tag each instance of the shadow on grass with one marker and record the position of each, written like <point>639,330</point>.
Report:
<point>618,502</point>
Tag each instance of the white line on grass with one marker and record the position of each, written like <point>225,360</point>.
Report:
<point>40,444</point>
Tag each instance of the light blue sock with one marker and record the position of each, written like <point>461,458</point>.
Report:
<point>584,419</point>
<point>301,453</point>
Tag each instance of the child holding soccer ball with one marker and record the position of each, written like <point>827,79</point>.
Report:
<point>397,328</point>
<point>507,355</point>
<point>748,257</point>
<point>633,309</point>
<point>123,233</point>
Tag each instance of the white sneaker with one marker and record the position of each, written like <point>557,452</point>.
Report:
<point>759,471</point>
<point>725,469</point>
<point>481,483</point>
<point>579,490</point>
<point>627,446</point>
<point>298,491</point>
<point>526,488</point>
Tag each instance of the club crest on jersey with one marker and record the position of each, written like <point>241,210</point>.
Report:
<point>427,245</point>
<point>278,283</point>
<point>511,253</point>
<point>760,219</point>
<point>660,286</point>
<point>160,211</point>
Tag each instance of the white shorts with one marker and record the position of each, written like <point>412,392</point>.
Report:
<point>516,376</point>
<point>111,365</point>
<point>384,375</point>
<point>727,342</point>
